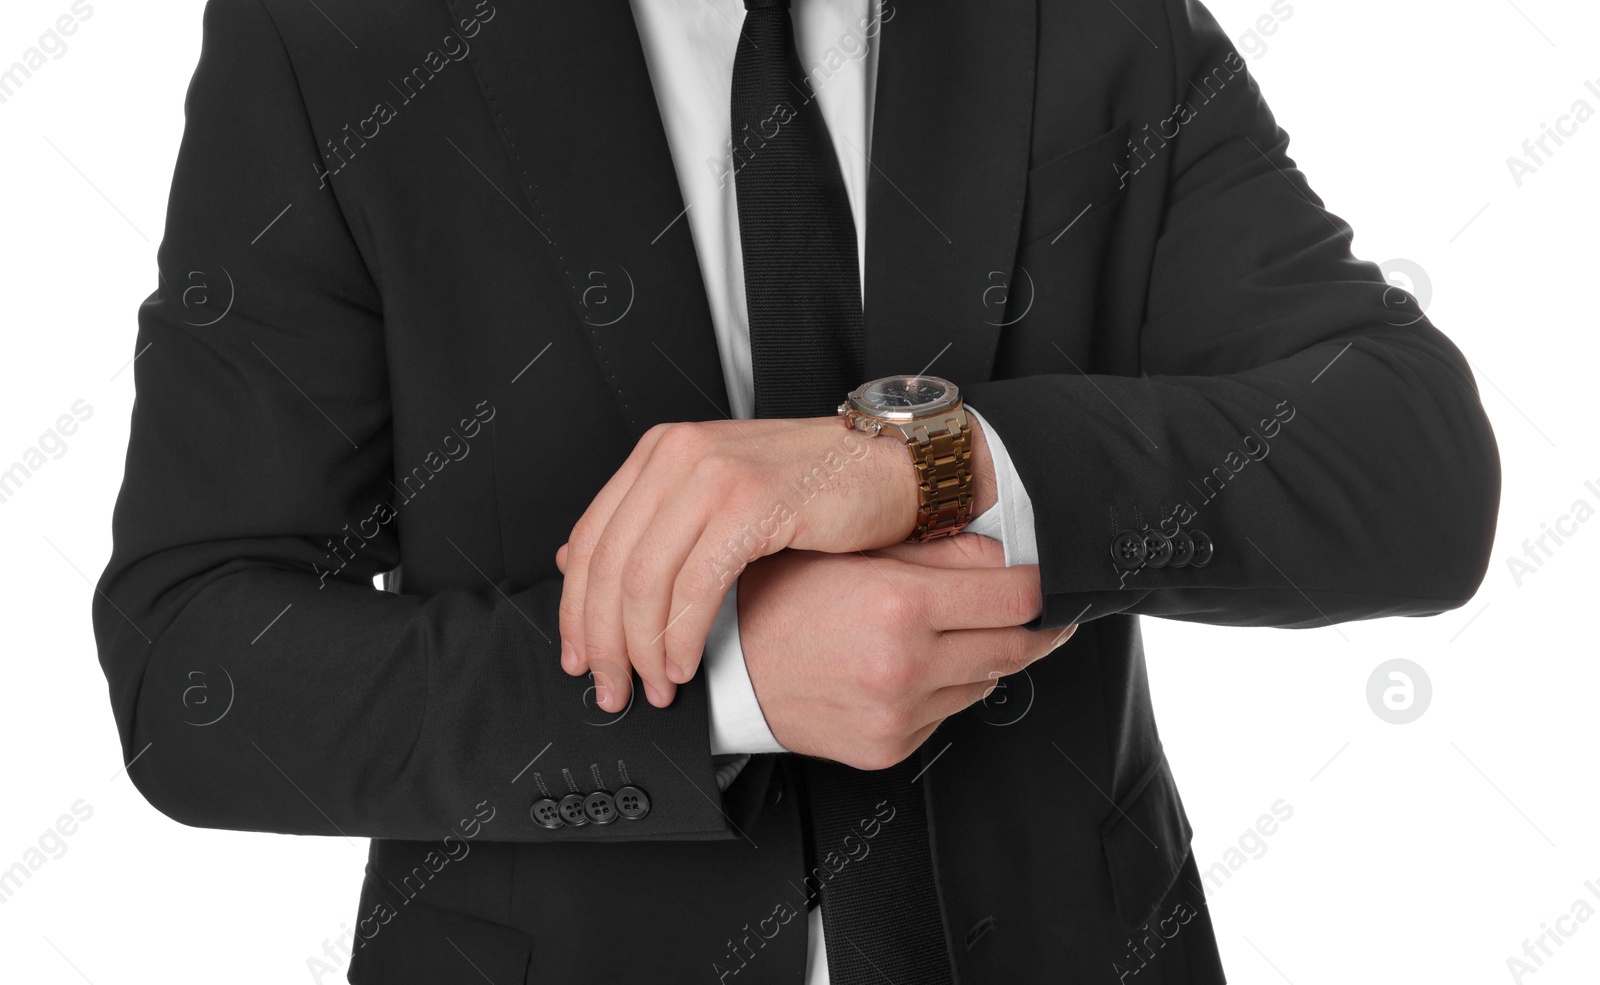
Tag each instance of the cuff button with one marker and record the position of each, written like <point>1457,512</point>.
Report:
<point>1158,549</point>
<point>632,803</point>
<point>546,813</point>
<point>1128,550</point>
<point>1203,548</point>
<point>572,810</point>
<point>1182,549</point>
<point>600,807</point>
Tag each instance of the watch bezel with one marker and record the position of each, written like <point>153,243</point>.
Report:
<point>856,401</point>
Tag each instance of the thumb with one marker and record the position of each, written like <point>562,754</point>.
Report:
<point>959,551</point>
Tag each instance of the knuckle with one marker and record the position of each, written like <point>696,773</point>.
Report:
<point>583,539</point>
<point>694,586</point>
<point>1018,605</point>
<point>721,471</point>
<point>887,672</point>
<point>602,660</point>
<point>639,579</point>
<point>897,609</point>
<point>651,666</point>
<point>605,563</point>
<point>713,578</point>
<point>684,438</point>
<point>1017,653</point>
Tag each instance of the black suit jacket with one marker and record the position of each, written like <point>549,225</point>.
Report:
<point>386,336</point>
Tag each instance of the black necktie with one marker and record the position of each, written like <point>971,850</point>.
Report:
<point>802,284</point>
<point>868,852</point>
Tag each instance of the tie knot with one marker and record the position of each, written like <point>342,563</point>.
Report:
<point>766,4</point>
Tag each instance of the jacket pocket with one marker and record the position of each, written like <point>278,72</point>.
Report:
<point>1072,185</point>
<point>1146,841</point>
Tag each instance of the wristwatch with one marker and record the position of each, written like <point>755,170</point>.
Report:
<point>926,413</point>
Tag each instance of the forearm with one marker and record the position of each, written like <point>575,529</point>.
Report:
<point>1369,492</point>
<point>369,714</point>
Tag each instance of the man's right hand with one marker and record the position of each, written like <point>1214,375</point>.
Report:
<point>858,658</point>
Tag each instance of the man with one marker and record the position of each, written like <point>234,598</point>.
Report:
<point>482,297</point>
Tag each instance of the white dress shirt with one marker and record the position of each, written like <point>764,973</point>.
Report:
<point>689,47</point>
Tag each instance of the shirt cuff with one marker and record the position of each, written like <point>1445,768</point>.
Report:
<point>737,725</point>
<point>1010,519</point>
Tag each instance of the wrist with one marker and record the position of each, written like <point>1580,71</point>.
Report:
<point>895,476</point>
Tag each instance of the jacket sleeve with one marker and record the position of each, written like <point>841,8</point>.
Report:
<point>1292,406</point>
<point>252,688</point>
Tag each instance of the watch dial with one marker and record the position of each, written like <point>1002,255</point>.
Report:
<point>905,392</point>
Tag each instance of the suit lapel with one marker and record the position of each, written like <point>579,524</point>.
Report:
<point>569,88</point>
<point>951,132</point>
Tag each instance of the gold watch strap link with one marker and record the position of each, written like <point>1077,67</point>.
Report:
<point>944,478</point>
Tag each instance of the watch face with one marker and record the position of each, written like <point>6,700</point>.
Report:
<point>905,393</point>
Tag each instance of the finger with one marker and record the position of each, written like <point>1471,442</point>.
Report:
<point>580,546</point>
<point>974,598</point>
<point>620,576</point>
<point>613,685</point>
<point>957,698</point>
<point>960,551</point>
<point>605,650</point>
<point>609,681</point>
<point>561,559</point>
<point>702,585</point>
<point>648,606</point>
<point>954,698</point>
<point>582,541</point>
<point>983,656</point>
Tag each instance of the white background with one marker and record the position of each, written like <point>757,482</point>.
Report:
<point>1424,852</point>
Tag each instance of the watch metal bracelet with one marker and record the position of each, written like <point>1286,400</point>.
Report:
<point>943,461</point>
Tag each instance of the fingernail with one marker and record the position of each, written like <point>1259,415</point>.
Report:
<point>652,694</point>
<point>602,688</point>
<point>569,656</point>
<point>675,673</point>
